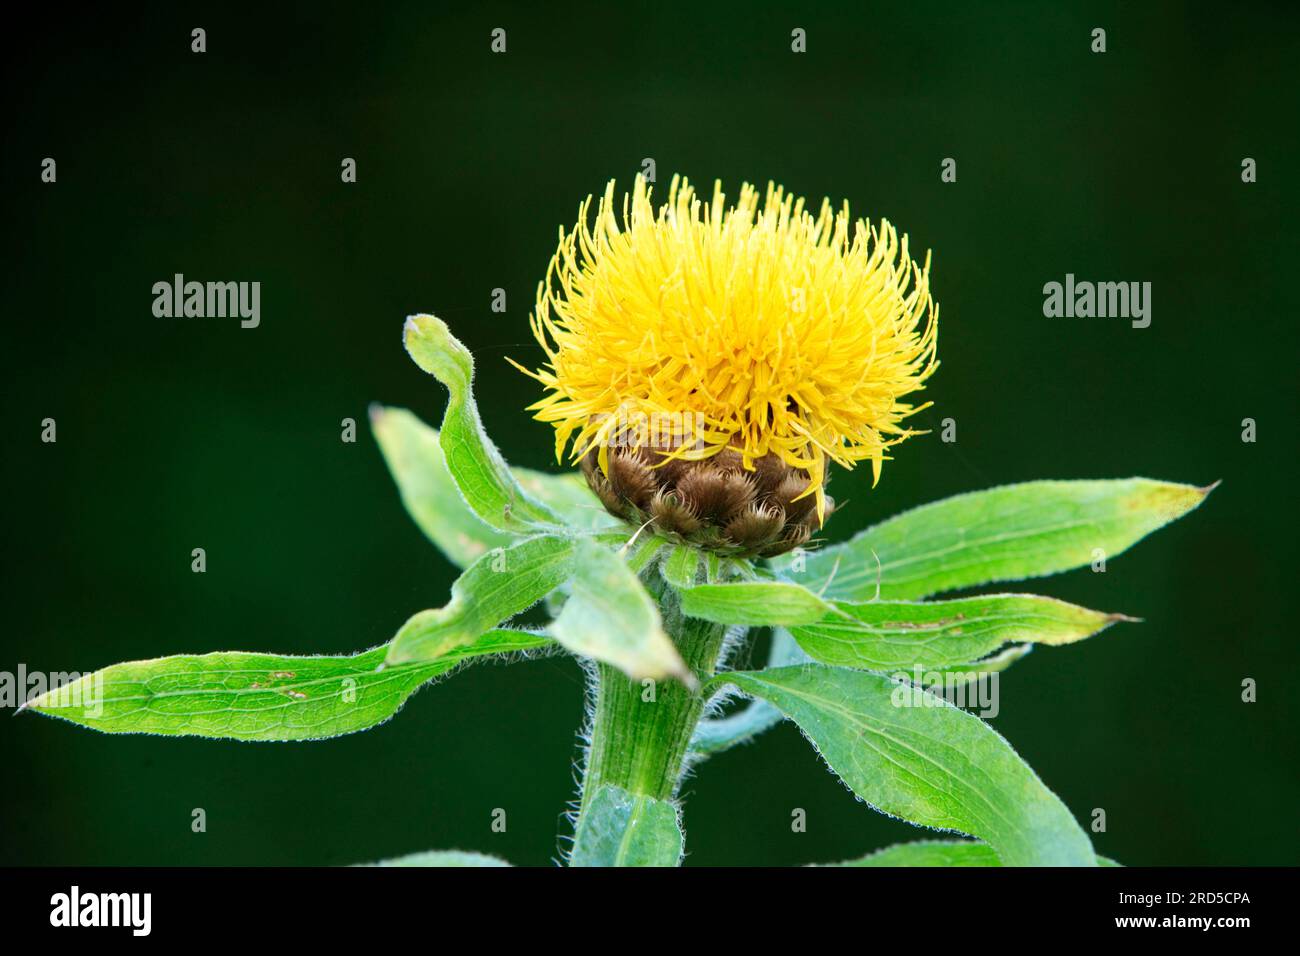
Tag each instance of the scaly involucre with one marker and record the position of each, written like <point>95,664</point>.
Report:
<point>780,332</point>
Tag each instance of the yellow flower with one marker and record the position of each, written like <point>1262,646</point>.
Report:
<point>781,333</point>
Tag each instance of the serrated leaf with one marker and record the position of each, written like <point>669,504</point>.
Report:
<point>914,755</point>
<point>618,828</point>
<point>415,460</point>
<point>442,858</point>
<point>1001,534</point>
<point>936,853</point>
<point>264,697</point>
<point>496,587</point>
<point>609,616</point>
<point>478,469</point>
<point>900,635</point>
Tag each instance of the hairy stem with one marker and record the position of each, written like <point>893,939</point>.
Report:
<point>640,732</point>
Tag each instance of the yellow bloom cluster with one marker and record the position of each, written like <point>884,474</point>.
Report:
<point>783,333</point>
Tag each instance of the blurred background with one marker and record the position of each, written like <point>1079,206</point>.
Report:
<point>176,434</point>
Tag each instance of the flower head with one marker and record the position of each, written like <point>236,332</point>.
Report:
<point>767,333</point>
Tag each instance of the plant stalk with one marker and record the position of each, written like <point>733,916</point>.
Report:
<point>641,731</point>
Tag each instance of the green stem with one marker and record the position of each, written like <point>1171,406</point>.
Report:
<point>640,733</point>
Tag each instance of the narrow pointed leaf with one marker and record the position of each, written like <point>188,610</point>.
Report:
<point>442,858</point>
<point>627,829</point>
<point>495,588</point>
<point>609,616</point>
<point>915,756</point>
<point>1001,534</point>
<point>894,635</point>
<point>248,696</point>
<point>478,469</point>
<point>428,491</point>
<point>994,664</point>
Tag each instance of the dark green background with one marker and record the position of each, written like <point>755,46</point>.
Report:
<point>175,434</point>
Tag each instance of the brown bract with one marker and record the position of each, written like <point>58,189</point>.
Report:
<point>715,503</point>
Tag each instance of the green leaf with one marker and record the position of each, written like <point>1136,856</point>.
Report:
<point>717,734</point>
<point>914,755</point>
<point>756,603</point>
<point>480,472</point>
<point>929,853</point>
<point>785,650</point>
<point>936,853</point>
<point>442,858</point>
<point>627,829</point>
<point>428,491</point>
<point>1002,534</point>
<point>973,670</point>
<point>681,567</point>
<point>639,553</point>
<point>569,497</point>
<point>894,635</point>
<point>248,696</point>
<point>684,566</point>
<point>609,616</point>
<point>495,588</point>
<point>889,635</point>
